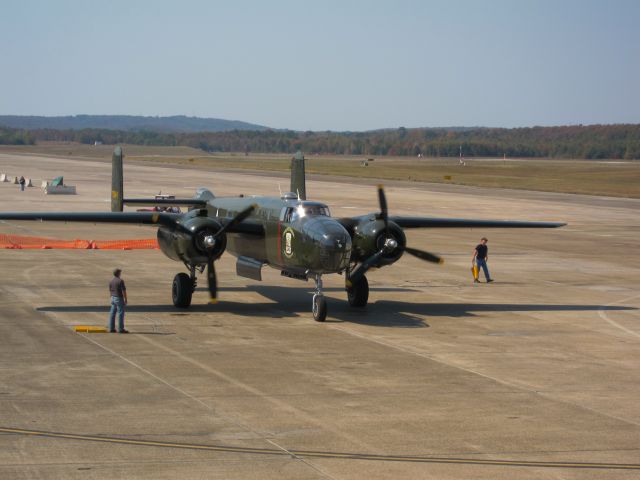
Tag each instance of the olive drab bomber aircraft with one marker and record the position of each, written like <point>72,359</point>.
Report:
<point>289,233</point>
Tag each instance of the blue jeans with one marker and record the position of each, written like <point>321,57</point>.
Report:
<point>117,303</point>
<point>482,263</point>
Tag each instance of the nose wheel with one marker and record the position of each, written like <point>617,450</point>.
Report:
<point>319,307</point>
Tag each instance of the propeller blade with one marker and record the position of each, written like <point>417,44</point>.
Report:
<point>384,212</point>
<point>364,267</point>
<point>212,282</point>
<point>422,255</point>
<point>237,219</point>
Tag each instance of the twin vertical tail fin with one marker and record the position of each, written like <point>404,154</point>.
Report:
<point>116,180</point>
<point>298,184</point>
<point>297,176</point>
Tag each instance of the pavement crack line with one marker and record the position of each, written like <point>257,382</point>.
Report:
<point>298,454</point>
<point>323,454</point>
<point>602,312</point>
<point>258,393</point>
<point>475,372</point>
<point>223,376</point>
<point>206,405</point>
<point>195,399</point>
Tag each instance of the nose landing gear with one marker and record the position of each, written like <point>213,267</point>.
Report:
<point>319,308</point>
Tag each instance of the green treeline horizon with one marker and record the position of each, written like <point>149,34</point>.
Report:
<point>587,142</point>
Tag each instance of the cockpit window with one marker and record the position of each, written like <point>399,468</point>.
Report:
<point>316,210</point>
<point>306,210</point>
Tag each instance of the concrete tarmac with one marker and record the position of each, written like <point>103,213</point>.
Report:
<point>536,376</point>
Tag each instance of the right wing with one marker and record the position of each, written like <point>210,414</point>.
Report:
<point>177,202</point>
<point>144,218</point>
<point>434,222</point>
<point>247,226</point>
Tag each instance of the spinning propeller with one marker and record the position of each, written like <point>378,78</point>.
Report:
<point>389,245</point>
<point>210,242</point>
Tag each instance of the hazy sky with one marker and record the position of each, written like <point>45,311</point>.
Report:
<point>326,65</point>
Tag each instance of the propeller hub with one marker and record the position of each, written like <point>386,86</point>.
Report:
<point>390,244</point>
<point>209,241</point>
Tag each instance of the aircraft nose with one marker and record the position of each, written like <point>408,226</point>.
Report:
<point>339,243</point>
<point>332,243</point>
<point>335,250</point>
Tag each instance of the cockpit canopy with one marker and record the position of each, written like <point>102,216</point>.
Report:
<point>305,209</point>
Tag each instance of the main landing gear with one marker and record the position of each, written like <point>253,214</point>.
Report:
<point>183,287</point>
<point>357,292</point>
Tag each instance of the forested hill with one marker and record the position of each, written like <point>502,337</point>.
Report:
<point>590,142</point>
<point>178,123</point>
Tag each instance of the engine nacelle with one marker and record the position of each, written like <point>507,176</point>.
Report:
<point>192,247</point>
<point>369,237</point>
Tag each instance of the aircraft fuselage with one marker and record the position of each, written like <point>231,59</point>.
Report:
<point>299,235</point>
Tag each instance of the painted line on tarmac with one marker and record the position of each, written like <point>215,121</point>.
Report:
<point>502,381</point>
<point>603,315</point>
<point>322,454</point>
<point>279,448</point>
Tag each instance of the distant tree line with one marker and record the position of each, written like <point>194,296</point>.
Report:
<point>11,136</point>
<point>590,142</point>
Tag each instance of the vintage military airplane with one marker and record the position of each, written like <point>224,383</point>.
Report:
<point>296,236</point>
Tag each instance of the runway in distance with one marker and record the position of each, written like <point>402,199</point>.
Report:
<point>289,233</point>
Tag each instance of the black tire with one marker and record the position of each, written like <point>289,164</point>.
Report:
<point>182,290</point>
<point>319,308</point>
<point>358,293</point>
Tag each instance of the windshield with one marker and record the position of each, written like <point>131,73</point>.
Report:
<point>315,210</point>
<point>309,210</point>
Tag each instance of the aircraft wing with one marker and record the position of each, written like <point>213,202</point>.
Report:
<point>173,202</point>
<point>141,218</point>
<point>433,222</point>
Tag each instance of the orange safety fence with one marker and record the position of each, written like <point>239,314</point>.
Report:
<point>20,242</point>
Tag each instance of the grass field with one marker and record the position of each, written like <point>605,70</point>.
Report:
<point>591,177</point>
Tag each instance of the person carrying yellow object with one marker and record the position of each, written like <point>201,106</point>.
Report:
<point>479,260</point>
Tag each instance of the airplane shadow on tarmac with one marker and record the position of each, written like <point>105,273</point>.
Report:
<point>288,302</point>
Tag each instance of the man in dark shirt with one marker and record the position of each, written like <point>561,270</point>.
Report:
<point>118,301</point>
<point>480,257</point>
